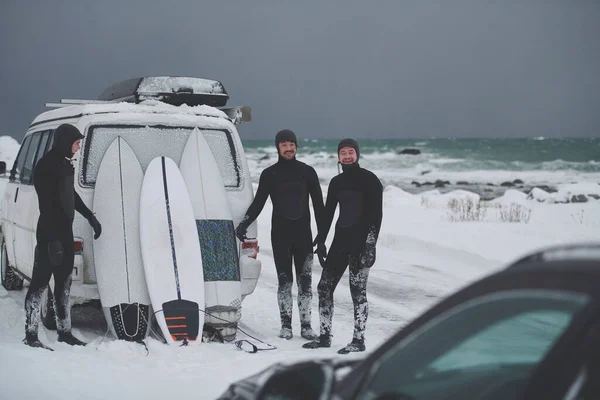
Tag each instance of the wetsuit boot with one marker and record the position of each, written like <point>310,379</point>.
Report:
<point>32,340</point>
<point>321,341</point>
<point>355,346</point>
<point>68,338</point>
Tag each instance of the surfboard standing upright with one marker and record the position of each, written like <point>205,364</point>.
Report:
<point>223,289</point>
<point>171,252</point>
<point>117,253</point>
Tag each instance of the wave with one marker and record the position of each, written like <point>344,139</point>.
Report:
<point>430,161</point>
<point>476,161</point>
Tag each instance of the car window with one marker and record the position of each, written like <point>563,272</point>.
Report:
<point>148,141</point>
<point>30,158</point>
<point>15,172</point>
<point>483,349</point>
<point>223,149</point>
<point>43,149</point>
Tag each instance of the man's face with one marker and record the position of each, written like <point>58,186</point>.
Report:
<point>76,146</point>
<point>287,150</point>
<point>347,155</point>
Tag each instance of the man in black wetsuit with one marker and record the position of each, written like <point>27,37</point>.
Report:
<point>54,254</point>
<point>289,182</point>
<point>360,196</point>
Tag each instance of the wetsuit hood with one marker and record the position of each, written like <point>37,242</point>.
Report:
<point>285,135</point>
<point>348,142</point>
<point>64,137</point>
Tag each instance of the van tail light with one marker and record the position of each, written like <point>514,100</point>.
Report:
<point>78,246</point>
<point>250,248</point>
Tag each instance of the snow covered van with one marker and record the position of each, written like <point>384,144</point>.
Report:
<point>155,115</point>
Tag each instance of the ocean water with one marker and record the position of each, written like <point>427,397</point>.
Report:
<point>485,166</point>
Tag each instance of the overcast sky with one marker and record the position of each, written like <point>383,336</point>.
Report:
<point>395,69</point>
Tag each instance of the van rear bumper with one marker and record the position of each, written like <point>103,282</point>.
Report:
<point>84,293</point>
<point>250,269</point>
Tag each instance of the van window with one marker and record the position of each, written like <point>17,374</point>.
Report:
<point>15,172</point>
<point>26,175</point>
<point>223,149</point>
<point>149,141</point>
<point>43,146</point>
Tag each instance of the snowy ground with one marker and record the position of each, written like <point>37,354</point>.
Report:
<point>422,256</point>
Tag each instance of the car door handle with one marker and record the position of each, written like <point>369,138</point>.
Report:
<point>16,194</point>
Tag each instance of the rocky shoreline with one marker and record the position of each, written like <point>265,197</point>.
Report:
<point>490,191</point>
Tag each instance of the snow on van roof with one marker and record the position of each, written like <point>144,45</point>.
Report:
<point>167,84</point>
<point>145,107</point>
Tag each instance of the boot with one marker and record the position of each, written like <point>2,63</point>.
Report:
<point>307,333</point>
<point>286,332</point>
<point>33,341</point>
<point>321,341</point>
<point>355,346</point>
<point>68,338</point>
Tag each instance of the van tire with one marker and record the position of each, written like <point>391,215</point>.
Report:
<point>47,314</point>
<point>9,278</point>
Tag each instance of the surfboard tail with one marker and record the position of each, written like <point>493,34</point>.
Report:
<point>182,318</point>
<point>130,321</point>
<point>222,319</point>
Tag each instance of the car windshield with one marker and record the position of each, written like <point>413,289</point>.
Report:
<point>489,345</point>
<point>147,142</point>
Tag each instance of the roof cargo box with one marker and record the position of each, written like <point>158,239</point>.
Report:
<point>175,90</point>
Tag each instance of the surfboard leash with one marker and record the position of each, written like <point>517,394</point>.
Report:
<point>240,344</point>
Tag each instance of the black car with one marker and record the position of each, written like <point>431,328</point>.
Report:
<point>529,331</point>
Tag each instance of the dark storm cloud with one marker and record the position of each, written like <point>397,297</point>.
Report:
<point>343,68</point>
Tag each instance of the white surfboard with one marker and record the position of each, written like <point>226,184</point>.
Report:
<point>171,253</point>
<point>117,253</point>
<point>223,290</point>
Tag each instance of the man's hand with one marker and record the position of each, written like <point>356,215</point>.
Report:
<point>321,251</point>
<point>240,232</point>
<point>95,226</point>
<point>367,257</point>
<point>55,253</point>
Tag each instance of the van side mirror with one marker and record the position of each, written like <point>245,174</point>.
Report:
<point>238,115</point>
<point>2,167</point>
<point>306,380</point>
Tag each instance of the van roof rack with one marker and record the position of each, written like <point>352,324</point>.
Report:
<point>72,102</point>
<point>174,90</point>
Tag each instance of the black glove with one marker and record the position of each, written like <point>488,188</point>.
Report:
<point>321,251</point>
<point>55,253</point>
<point>95,226</point>
<point>367,257</point>
<point>240,232</point>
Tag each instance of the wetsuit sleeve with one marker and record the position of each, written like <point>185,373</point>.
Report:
<point>262,193</point>
<point>374,209</point>
<point>328,212</point>
<point>44,182</point>
<point>314,188</point>
<point>81,207</point>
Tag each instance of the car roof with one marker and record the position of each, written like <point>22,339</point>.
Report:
<point>149,107</point>
<point>568,257</point>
